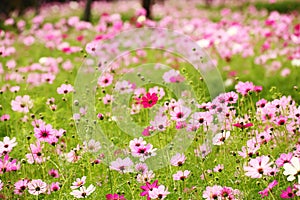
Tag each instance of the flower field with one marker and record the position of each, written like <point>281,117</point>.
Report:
<point>197,103</point>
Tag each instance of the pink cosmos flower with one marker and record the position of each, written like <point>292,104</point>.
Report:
<point>148,101</point>
<point>8,164</point>
<point>54,187</point>
<point>78,183</point>
<point>5,117</point>
<point>65,89</point>
<point>180,175</point>
<point>202,118</point>
<point>218,168</point>
<point>107,99</point>
<point>287,194</point>
<point>265,192</point>
<point>173,76</point>
<point>37,187</point>
<point>141,149</point>
<point>20,186</point>
<point>157,90</point>
<point>141,167</point>
<point>261,103</point>
<point>244,87</point>
<point>159,193</point>
<point>258,167</point>
<point>22,104</point>
<point>91,146</point>
<point>74,155</point>
<point>115,197</point>
<point>48,78</point>
<point>178,159</point>
<point>14,89</point>
<point>91,48</point>
<point>147,131</point>
<point>145,177</point>
<point>231,97</point>
<point>7,145</point>
<point>44,132</point>
<point>284,158</point>
<point>122,165</point>
<point>180,113</point>
<point>211,193</point>
<point>203,150</point>
<point>35,155</point>
<point>148,187</point>
<point>160,123</point>
<point>105,80</point>
<point>54,173</point>
<point>124,87</point>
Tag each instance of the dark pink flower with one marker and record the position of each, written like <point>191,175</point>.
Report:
<point>148,187</point>
<point>287,194</point>
<point>20,186</point>
<point>115,197</point>
<point>148,100</point>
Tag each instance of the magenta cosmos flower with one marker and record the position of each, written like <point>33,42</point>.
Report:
<point>22,104</point>
<point>115,197</point>
<point>54,173</point>
<point>148,187</point>
<point>44,132</point>
<point>287,194</point>
<point>148,101</point>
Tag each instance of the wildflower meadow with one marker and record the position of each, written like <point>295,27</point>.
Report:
<point>197,102</point>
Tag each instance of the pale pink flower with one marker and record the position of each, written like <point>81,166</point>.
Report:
<point>180,113</point>
<point>178,159</point>
<point>180,175</point>
<point>78,183</point>
<point>37,187</point>
<point>159,193</point>
<point>7,145</point>
<point>258,167</point>
<point>65,89</point>
<point>22,104</point>
<point>122,165</point>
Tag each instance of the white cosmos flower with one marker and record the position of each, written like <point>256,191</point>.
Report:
<point>221,137</point>
<point>83,192</point>
<point>292,169</point>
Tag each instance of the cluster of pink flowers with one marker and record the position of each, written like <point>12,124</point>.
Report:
<point>219,192</point>
<point>154,191</point>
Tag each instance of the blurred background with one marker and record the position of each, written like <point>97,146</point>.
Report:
<point>19,7</point>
